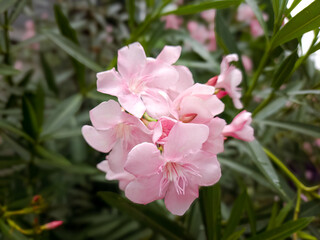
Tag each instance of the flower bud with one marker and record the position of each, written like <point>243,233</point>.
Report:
<point>212,81</point>
<point>51,225</point>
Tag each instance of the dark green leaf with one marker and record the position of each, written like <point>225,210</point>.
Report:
<point>210,201</point>
<point>131,7</point>
<point>302,128</point>
<point>147,216</point>
<point>283,214</point>
<point>29,121</point>
<point>284,230</point>
<point>73,50</point>
<point>283,73</point>
<point>236,235</point>
<point>6,70</point>
<point>199,7</point>
<point>274,213</point>
<point>48,74</point>
<point>51,158</point>
<point>279,7</point>
<point>251,214</point>
<point>61,115</point>
<point>4,125</point>
<point>255,8</point>
<point>261,160</point>
<point>6,4</point>
<point>305,21</point>
<point>236,213</point>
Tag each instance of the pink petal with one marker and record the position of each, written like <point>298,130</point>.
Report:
<point>133,104</point>
<point>143,160</point>
<point>102,141</point>
<point>109,82</point>
<point>227,60</point>
<point>131,60</point>
<point>169,54</point>
<point>185,138</point>
<point>157,104</point>
<point>178,204</point>
<point>208,167</point>
<point>215,142</point>
<point>106,115</point>
<point>144,190</point>
<point>185,81</point>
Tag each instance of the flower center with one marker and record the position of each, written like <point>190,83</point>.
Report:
<point>123,131</point>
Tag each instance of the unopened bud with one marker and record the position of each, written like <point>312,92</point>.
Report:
<point>36,199</point>
<point>220,94</point>
<point>51,225</point>
<point>188,117</point>
<point>212,81</point>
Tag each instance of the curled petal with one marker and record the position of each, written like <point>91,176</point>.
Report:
<point>169,54</point>
<point>109,82</point>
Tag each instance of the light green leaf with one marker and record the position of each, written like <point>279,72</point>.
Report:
<point>303,128</point>
<point>306,236</point>
<point>210,203</point>
<point>147,216</point>
<point>202,6</point>
<point>306,20</point>
<point>62,114</point>
<point>73,50</point>
<point>261,160</point>
<point>284,230</point>
<point>6,70</point>
<point>283,214</point>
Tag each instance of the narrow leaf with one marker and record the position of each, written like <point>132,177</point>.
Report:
<point>6,4</point>
<point>305,21</point>
<point>298,127</point>
<point>6,70</point>
<point>48,74</point>
<point>236,235</point>
<point>261,160</point>
<point>4,125</point>
<point>147,216</point>
<point>283,214</point>
<point>210,201</point>
<point>51,158</point>
<point>251,214</point>
<point>284,230</point>
<point>199,7</point>
<point>61,115</point>
<point>73,50</point>
<point>236,213</point>
<point>283,73</point>
<point>255,8</point>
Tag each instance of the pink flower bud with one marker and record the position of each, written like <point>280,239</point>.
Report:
<point>212,81</point>
<point>36,199</point>
<point>52,225</point>
<point>220,94</point>
<point>240,127</point>
<point>188,117</point>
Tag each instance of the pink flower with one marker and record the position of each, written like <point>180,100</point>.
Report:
<point>245,13</point>
<point>317,142</point>
<point>139,77</point>
<point>209,15</point>
<point>215,141</point>
<point>255,28</point>
<point>172,22</point>
<point>247,63</point>
<point>229,79</point>
<point>109,30</point>
<point>240,127</point>
<point>30,31</point>
<point>203,35</point>
<point>200,100</point>
<point>176,173</point>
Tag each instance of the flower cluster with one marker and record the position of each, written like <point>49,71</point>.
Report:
<point>165,135</point>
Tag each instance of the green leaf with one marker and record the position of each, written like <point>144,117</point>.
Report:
<point>210,201</point>
<point>18,8</point>
<point>251,214</point>
<point>4,125</point>
<point>236,213</point>
<point>146,215</point>
<point>62,114</point>
<point>298,127</point>
<point>274,213</point>
<point>6,70</point>
<point>48,74</point>
<point>279,7</point>
<point>73,50</point>
<point>10,233</point>
<point>131,8</point>
<point>255,8</point>
<point>305,21</point>
<point>228,43</point>
<point>283,214</point>
<point>284,71</point>
<point>284,230</point>
<point>6,4</point>
<point>306,236</point>
<point>51,158</point>
<point>236,235</point>
<point>261,160</point>
<point>199,7</point>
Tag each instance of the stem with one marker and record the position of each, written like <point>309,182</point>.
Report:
<point>296,181</point>
<point>17,227</point>
<point>297,210</point>
<point>256,76</point>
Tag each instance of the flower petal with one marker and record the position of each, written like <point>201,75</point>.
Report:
<point>208,167</point>
<point>131,60</point>
<point>144,190</point>
<point>169,54</point>
<point>106,115</point>
<point>178,204</point>
<point>109,82</point>
<point>102,141</point>
<point>133,104</point>
<point>143,160</point>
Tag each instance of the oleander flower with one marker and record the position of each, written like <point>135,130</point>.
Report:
<point>176,173</point>
<point>240,127</point>
<point>172,22</point>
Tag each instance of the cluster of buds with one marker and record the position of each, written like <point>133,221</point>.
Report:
<point>163,138</point>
